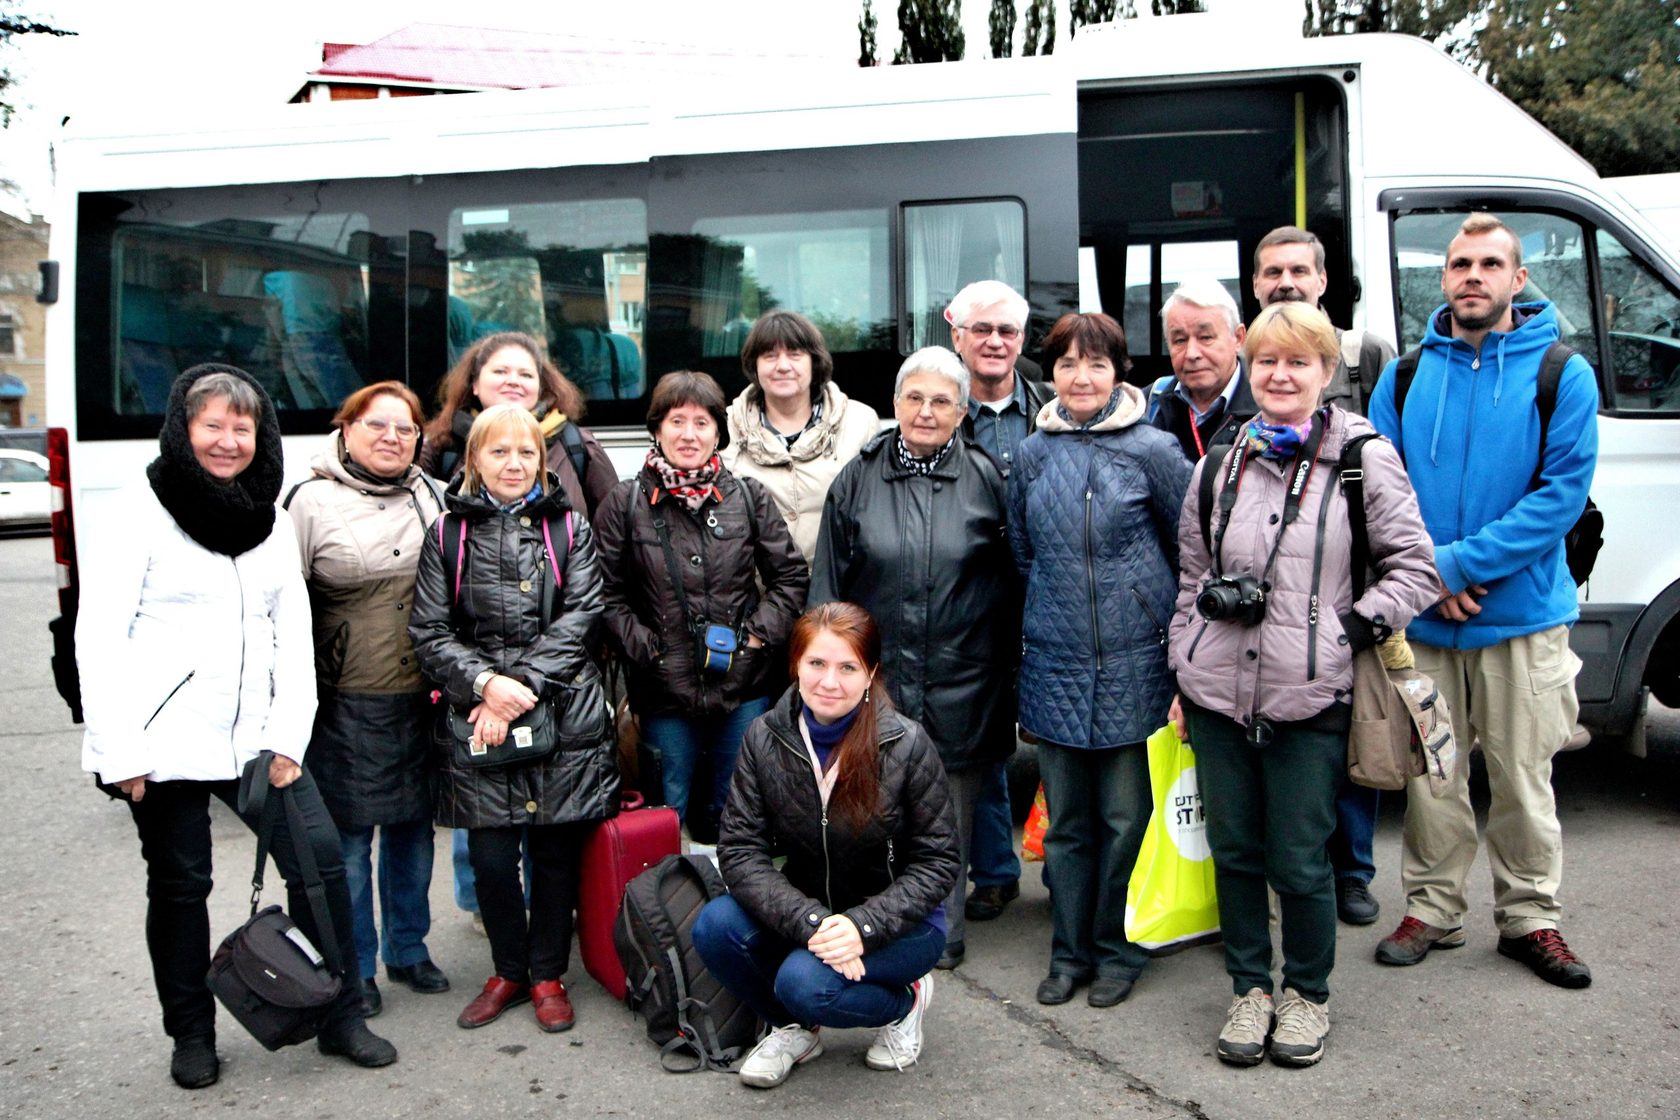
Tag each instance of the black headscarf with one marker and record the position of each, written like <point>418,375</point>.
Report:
<point>230,518</point>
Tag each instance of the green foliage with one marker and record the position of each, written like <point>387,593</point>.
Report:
<point>867,24</point>
<point>1603,75</point>
<point>1040,34</point>
<point>13,24</point>
<point>1081,12</point>
<point>1000,25</point>
<point>1176,7</point>
<point>932,31</point>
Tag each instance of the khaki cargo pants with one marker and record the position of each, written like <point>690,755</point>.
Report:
<point>1517,700</point>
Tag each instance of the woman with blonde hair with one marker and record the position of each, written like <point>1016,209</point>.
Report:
<point>509,590</point>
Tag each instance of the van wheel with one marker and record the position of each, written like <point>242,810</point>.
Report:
<point>1662,671</point>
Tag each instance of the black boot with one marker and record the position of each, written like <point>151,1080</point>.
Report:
<point>195,1065</point>
<point>353,1040</point>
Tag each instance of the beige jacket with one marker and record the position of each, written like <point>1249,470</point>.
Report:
<point>798,478</point>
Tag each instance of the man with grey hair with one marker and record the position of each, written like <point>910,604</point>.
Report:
<point>988,327</point>
<point>1289,267</point>
<point>1208,397</point>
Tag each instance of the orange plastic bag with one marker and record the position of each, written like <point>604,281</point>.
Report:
<point>1032,836</point>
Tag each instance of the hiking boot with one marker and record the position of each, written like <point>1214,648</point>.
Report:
<point>1354,904</point>
<point>1545,953</point>
<point>898,1045</point>
<point>1302,1026</point>
<point>986,903</point>
<point>770,1062</point>
<point>1412,940</point>
<point>1247,1024</point>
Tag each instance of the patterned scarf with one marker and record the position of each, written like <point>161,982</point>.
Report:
<point>517,504</point>
<point>907,460</point>
<point>1276,441</point>
<point>693,487</point>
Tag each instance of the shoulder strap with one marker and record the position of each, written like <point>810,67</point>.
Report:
<point>1405,368</point>
<point>576,451</point>
<point>1352,343</point>
<point>454,546</point>
<point>254,798</point>
<point>556,567</point>
<point>1545,396</point>
<point>1352,467</point>
<point>672,569</point>
<point>1212,464</point>
<point>1158,390</point>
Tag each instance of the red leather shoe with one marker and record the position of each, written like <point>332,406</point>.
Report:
<point>498,995</point>
<point>553,1006</point>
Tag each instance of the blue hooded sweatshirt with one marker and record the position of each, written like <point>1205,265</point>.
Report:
<point>1470,440</point>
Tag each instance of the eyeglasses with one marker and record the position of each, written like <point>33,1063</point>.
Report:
<point>1006,331</point>
<point>942,406</point>
<point>404,432</point>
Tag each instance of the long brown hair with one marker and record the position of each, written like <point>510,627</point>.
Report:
<point>858,787</point>
<point>554,392</point>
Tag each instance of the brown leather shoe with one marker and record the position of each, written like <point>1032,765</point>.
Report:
<point>1412,940</point>
<point>498,995</point>
<point>553,1006</point>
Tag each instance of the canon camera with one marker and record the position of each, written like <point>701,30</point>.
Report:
<point>1240,598</point>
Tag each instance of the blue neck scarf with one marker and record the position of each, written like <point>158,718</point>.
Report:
<point>1276,441</point>
<point>825,737</point>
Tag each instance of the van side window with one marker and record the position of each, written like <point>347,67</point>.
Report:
<point>1642,313</point>
<point>573,274</point>
<point>949,245</point>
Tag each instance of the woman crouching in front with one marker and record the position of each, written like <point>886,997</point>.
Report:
<point>1263,642</point>
<point>846,932</point>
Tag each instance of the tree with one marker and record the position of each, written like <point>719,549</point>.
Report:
<point>13,24</point>
<point>1040,34</point>
<point>867,24</point>
<point>931,30</point>
<point>1081,12</point>
<point>1603,75</point>
<point>1000,23</point>
<point>1176,7</point>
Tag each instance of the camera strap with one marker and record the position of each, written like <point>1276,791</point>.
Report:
<point>1299,475</point>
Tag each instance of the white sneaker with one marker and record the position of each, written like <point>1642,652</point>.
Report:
<point>777,1053</point>
<point>898,1045</point>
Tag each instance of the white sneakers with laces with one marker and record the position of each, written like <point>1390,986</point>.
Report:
<point>898,1045</point>
<point>770,1062</point>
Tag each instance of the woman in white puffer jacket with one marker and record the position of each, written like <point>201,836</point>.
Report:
<point>195,651</point>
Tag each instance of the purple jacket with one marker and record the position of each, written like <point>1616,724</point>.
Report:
<point>1299,660</point>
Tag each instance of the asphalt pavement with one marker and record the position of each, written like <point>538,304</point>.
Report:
<point>1466,1033</point>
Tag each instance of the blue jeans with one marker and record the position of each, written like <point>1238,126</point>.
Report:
<point>1356,827</point>
<point>992,859</point>
<point>785,983</point>
<point>1100,804</point>
<point>405,883</point>
<point>466,884</point>
<point>680,743</point>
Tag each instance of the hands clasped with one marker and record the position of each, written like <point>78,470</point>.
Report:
<point>838,944</point>
<point>505,700</point>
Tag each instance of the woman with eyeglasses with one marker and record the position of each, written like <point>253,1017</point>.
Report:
<point>914,532</point>
<point>360,520</point>
<point>1093,521</point>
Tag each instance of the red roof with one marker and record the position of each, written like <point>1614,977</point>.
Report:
<point>444,56</point>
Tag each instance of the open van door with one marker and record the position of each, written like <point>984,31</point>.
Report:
<point>1618,302</point>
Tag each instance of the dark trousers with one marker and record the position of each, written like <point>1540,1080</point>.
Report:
<point>786,983</point>
<point>1351,844</point>
<point>1100,804</point>
<point>533,948</point>
<point>1270,812</point>
<point>173,820</point>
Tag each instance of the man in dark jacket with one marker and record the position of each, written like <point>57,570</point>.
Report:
<point>1207,399</point>
<point>1289,268</point>
<point>988,327</point>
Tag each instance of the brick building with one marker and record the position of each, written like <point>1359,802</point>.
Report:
<point>23,369</point>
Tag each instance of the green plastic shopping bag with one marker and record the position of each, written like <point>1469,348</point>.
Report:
<point>1170,902</point>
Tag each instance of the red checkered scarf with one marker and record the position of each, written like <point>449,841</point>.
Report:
<point>693,487</point>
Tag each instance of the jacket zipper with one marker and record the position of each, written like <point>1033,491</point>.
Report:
<point>239,682</point>
<point>178,687</point>
<point>1091,580</point>
<point>1190,656</point>
<point>1160,634</point>
<point>1313,601</point>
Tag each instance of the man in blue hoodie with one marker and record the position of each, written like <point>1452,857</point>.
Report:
<point>1497,645</point>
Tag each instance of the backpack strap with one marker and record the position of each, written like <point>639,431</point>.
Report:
<point>577,451</point>
<point>454,546</point>
<point>1545,396</point>
<point>1405,369</point>
<point>1157,392</point>
<point>1213,464</point>
<point>1352,475</point>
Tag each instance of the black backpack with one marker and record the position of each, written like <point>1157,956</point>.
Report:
<point>1584,539</point>
<point>689,1012</point>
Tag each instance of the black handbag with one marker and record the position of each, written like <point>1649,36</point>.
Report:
<point>571,717</point>
<point>266,973</point>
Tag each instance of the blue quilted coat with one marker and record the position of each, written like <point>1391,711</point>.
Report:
<point>1093,522</point>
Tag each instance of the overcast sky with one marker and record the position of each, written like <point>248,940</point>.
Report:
<point>152,59</point>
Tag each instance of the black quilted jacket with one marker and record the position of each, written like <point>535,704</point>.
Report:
<point>886,877</point>
<point>497,624</point>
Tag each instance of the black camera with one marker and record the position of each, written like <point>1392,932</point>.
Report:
<point>1240,598</point>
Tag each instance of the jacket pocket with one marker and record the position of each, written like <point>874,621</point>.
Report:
<point>164,703</point>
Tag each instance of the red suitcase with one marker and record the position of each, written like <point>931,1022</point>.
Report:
<point>616,852</point>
